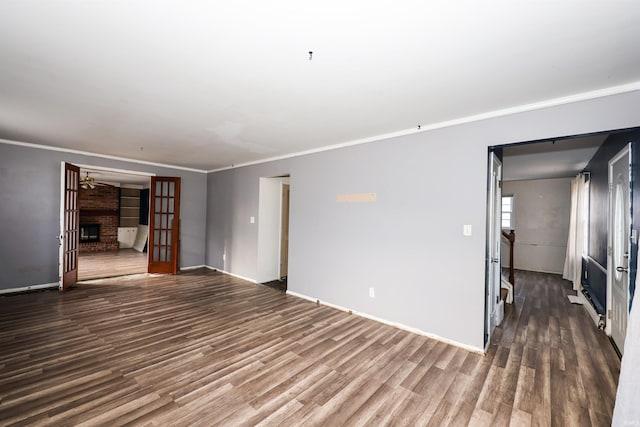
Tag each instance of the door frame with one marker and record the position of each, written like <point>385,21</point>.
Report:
<point>285,215</point>
<point>62,196</point>
<point>625,151</point>
<point>269,221</point>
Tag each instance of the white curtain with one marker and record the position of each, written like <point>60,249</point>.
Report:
<point>577,231</point>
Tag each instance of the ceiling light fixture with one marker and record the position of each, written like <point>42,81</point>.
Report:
<point>89,183</point>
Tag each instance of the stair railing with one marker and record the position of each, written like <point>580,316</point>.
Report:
<point>511,237</point>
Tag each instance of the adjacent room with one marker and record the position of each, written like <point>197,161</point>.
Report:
<point>440,199</point>
<point>113,220</point>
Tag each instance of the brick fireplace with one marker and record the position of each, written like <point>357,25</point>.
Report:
<point>99,207</point>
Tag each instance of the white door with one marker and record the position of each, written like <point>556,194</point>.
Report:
<point>619,246</point>
<point>494,202</point>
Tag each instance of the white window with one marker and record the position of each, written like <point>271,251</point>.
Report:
<point>507,212</point>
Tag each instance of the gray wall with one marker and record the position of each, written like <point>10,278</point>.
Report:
<point>409,244</point>
<point>542,209</point>
<point>30,212</point>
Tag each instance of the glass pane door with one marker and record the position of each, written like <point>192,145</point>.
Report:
<point>164,224</point>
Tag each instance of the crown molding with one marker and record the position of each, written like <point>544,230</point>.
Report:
<point>583,96</point>
<point>103,156</point>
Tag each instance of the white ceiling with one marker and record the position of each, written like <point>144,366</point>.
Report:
<point>209,84</point>
<point>117,179</point>
<point>549,159</point>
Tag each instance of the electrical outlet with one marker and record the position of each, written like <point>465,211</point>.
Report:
<point>372,293</point>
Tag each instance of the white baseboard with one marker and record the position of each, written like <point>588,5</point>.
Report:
<point>589,308</point>
<point>192,267</point>
<point>231,274</point>
<point>367,316</point>
<point>29,288</point>
<point>390,323</point>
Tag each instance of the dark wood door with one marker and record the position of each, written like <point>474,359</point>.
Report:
<point>164,225</point>
<point>70,227</point>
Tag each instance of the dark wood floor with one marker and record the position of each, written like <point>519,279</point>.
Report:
<point>203,348</point>
<point>97,265</point>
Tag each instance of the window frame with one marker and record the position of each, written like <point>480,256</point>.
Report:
<point>511,225</point>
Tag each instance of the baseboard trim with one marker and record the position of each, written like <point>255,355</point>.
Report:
<point>367,316</point>
<point>29,288</point>
<point>390,323</point>
<point>192,267</point>
<point>231,274</point>
<point>591,311</point>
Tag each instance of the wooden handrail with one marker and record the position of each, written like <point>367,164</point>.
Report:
<point>511,237</point>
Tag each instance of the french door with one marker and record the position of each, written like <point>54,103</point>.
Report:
<point>619,252</point>
<point>164,225</point>
<point>69,225</point>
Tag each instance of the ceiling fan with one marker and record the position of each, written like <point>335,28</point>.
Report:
<point>89,183</point>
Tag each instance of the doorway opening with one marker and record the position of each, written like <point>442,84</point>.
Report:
<point>113,218</point>
<point>162,234</point>
<point>273,231</point>
<point>539,179</point>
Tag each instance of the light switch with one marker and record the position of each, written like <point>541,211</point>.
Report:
<point>466,231</point>
<point>252,220</point>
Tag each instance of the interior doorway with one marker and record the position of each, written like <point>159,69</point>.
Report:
<point>284,232</point>
<point>540,177</point>
<point>536,185</point>
<point>111,226</point>
<point>273,231</point>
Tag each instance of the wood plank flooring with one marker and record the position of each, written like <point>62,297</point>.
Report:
<point>98,265</point>
<point>203,348</point>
